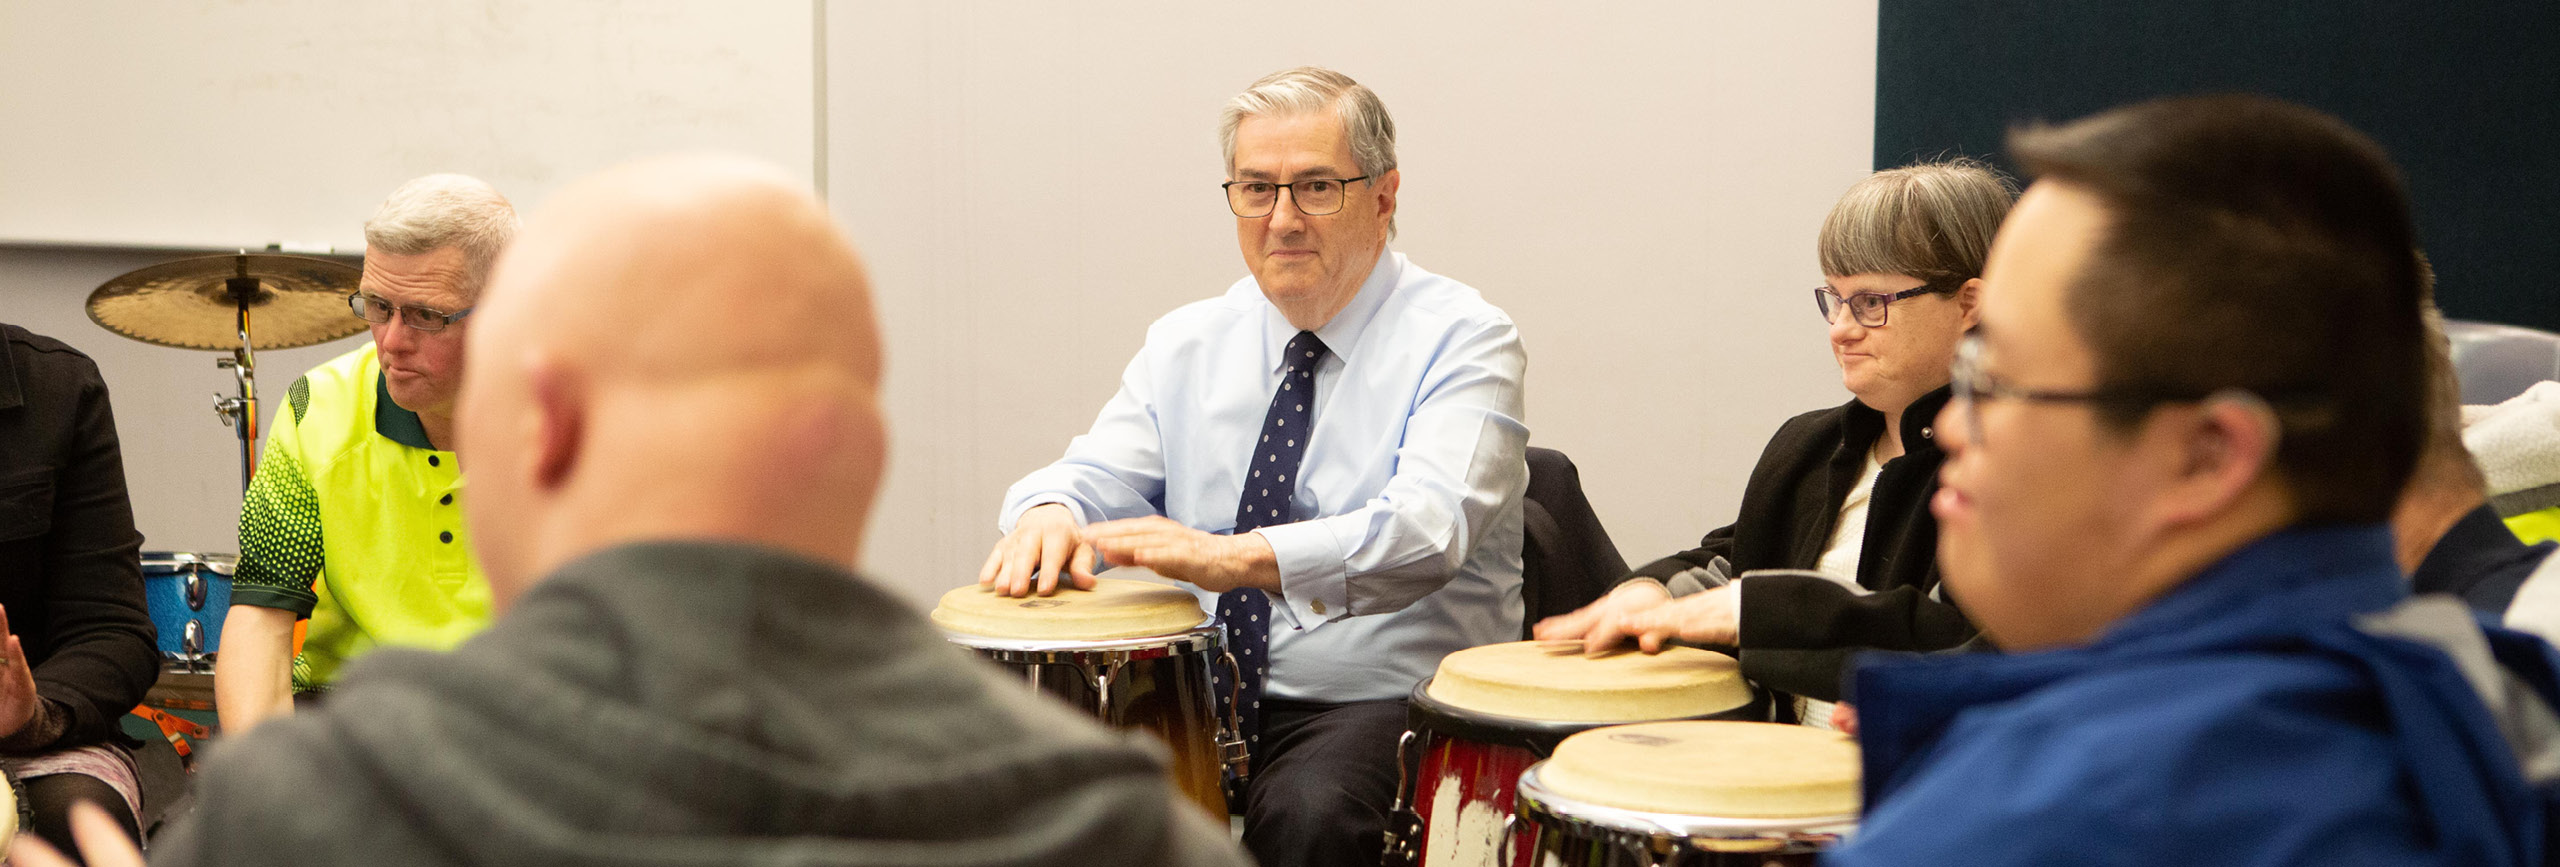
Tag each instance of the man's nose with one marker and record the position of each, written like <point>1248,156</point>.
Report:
<point>1285,216</point>
<point>394,336</point>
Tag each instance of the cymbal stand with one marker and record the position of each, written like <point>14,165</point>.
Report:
<point>240,412</point>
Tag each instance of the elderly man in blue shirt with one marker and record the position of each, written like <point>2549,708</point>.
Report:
<point>1331,454</point>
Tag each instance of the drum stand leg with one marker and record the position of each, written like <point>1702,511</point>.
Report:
<point>240,412</point>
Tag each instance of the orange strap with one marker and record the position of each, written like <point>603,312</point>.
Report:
<point>177,729</point>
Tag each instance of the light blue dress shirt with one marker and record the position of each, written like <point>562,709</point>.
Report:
<point>1407,545</point>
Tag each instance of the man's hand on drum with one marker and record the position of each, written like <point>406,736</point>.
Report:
<point>1044,548</point>
<point>1214,562</point>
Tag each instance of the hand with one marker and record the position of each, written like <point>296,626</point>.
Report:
<point>1602,624</point>
<point>1214,562</point>
<point>1713,617</point>
<point>18,701</point>
<point>102,842</point>
<point>1030,558</point>
<point>1845,718</point>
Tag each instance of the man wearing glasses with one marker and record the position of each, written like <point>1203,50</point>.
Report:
<point>1331,455</point>
<point>352,520</point>
<point>2194,396</point>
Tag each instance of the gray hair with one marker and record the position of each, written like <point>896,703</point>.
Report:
<point>1930,220</point>
<point>445,210</point>
<point>1309,89</point>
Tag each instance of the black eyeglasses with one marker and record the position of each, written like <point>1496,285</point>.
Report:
<point>1868,308</point>
<point>1315,197</point>
<point>371,308</point>
<point>1972,385</point>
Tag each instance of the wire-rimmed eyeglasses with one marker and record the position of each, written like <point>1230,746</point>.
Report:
<point>372,308</point>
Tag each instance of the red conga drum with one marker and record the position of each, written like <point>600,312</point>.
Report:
<point>1492,711</point>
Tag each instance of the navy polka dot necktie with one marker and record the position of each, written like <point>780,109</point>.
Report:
<point>1268,486</point>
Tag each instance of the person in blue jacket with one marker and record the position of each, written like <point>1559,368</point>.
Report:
<point>2194,395</point>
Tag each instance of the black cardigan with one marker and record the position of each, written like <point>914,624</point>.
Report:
<point>1798,632</point>
<point>70,571</point>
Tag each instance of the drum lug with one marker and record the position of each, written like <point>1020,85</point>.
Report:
<point>193,642</point>
<point>1404,826</point>
<point>195,589</point>
<point>1231,744</point>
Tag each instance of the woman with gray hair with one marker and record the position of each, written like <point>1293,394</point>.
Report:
<point>1840,499</point>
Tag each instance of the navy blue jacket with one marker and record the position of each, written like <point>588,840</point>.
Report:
<point>2291,704</point>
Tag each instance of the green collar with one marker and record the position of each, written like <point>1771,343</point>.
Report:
<point>390,420</point>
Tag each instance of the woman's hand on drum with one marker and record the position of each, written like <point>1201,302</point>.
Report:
<point>1216,563</point>
<point>1045,544</point>
<point>1710,618</point>
<point>1602,625</point>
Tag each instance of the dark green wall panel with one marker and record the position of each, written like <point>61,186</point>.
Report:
<point>2465,95</point>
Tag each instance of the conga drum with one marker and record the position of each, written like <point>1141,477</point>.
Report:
<point>1689,794</point>
<point>1492,711</point>
<point>1134,654</point>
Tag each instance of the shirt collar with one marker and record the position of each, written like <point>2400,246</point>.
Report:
<point>1341,335</point>
<point>393,421</point>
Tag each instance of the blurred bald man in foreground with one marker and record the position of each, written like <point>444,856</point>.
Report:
<point>674,434</point>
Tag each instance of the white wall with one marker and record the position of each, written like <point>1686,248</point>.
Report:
<point>1639,184</point>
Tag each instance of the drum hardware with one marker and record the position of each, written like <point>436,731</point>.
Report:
<point>1232,751</point>
<point>1575,833</point>
<point>1404,824</point>
<point>212,302</point>
<point>1688,794</point>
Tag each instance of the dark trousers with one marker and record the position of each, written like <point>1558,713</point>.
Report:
<point>49,800</point>
<point>1323,780</point>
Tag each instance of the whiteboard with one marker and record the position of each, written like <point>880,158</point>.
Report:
<point>230,123</point>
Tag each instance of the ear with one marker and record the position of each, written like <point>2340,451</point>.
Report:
<point>559,422</point>
<point>2219,450</point>
<point>1969,302</point>
<point>1387,193</point>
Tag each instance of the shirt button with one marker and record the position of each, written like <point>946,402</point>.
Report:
<point>434,461</point>
<point>447,538</point>
<point>1928,433</point>
<point>446,500</point>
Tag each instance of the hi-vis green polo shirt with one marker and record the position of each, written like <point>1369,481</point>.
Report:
<point>355,522</point>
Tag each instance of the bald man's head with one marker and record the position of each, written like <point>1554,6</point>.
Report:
<point>674,348</point>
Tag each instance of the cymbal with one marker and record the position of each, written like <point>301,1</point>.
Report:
<point>190,303</point>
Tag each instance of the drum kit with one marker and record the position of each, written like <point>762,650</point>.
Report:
<point>1518,754</point>
<point>236,304</point>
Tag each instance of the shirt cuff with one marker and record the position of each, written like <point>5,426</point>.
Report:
<point>1037,500</point>
<point>1311,571</point>
<point>275,597</point>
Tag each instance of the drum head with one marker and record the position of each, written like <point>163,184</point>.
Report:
<point>1555,680</point>
<point>1723,769</point>
<point>1114,608</point>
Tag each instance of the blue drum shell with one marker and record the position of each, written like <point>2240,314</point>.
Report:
<point>167,589</point>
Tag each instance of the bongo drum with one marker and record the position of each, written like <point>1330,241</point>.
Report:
<point>1492,711</point>
<point>1133,653</point>
<point>1689,794</point>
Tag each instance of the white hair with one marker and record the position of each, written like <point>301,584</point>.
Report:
<point>445,210</point>
<point>1310,89</point>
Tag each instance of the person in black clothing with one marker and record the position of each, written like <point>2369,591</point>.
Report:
<point>80,651</point>
<point>1844,491</point>
<point>2445,534</point>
